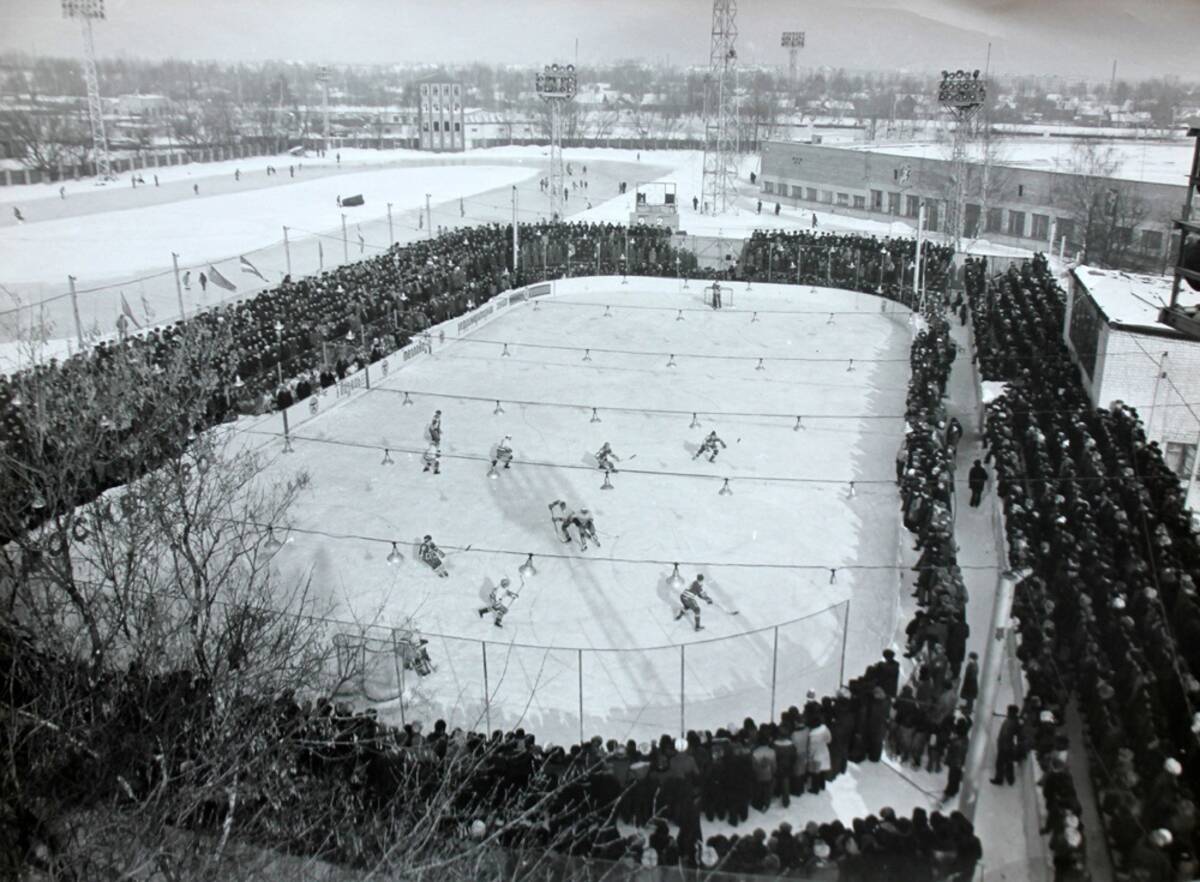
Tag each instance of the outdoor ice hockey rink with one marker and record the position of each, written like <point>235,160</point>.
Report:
<point>591,645</point>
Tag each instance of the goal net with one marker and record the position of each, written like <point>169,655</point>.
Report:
<point>726,295</point>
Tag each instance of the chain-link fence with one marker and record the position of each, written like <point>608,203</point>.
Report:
<point>571,693</point>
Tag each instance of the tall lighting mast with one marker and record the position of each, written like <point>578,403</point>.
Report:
<point>85,11</point>
<point>961,94</point>
<point>720,109</point>
<point>793,42</point>
<point>556,85</point>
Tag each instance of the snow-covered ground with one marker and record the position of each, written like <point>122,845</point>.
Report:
<point>603,620</point>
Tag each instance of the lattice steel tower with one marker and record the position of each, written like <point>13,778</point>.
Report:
<point>557,85</point>
<point>85,11</point>
<point>720,110</point>
<point>961,93</point>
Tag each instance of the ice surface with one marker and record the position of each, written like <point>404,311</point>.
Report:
<point>602,621</point>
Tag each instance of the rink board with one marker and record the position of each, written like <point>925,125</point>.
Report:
<point>591,645</point>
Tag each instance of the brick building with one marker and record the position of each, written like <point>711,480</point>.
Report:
<point>1024,206</point>
<point>1126,354</point>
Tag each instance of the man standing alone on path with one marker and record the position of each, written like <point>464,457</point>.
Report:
<point>970,683</point>
<point>977,479</point>
<point>1008,747</point>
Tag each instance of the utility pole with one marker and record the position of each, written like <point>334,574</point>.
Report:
<point>178,287</point>
<point>391,232</point>
<point>345,242</point>
<point>75,308</point>
<point>516,261</point>
<point>287,251</point>
<point>428,217</point>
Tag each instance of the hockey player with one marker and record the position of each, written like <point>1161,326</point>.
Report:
<point>716,295</point>
<point>499,601</point>
<point>586,527</point>
<point>504,452</point>
<point>562,517</point>
<point>710,446</point>
<point>433,556</point>
<point>432,457</point>
<point>690,598</point>
<point>435,428</point>
<point>605,457</point>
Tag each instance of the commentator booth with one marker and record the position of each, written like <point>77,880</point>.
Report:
<point>655,205</point>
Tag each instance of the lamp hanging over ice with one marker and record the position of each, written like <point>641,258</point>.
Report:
<point>527,569</point>
<point>498,410</point>
<point>675,580</point>
<point>387,457</point>
<point>407,401</point>
<point>272,544</point>
<point>595,416</point>
<point>492,473</point>
<point>394,556</point>
<point>725,490</point>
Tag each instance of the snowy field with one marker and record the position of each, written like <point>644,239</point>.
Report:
<point>593,632</point>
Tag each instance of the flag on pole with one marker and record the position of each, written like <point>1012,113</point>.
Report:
<point>146,310</point>
<point>128,313</point>
<point>248,267</point>
<point>219,280</point>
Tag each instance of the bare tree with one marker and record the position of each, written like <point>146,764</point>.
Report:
<point>1104,210</point>
<point>45,138</point>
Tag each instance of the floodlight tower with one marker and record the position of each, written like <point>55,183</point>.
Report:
<point>324,75</point>
<point>720,109</point>
<point>85,11</point>
<point>793,42</point>
<point>556,85</point>
<point>961,93</point>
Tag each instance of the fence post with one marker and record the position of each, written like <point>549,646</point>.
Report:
<point>399,673</point>
<point>845,634</point>
<point>682,657</point>
<point>580,651</point>
<point>487,696</point>
<point>287,250</point>
<point>74,309</point>
<point>774,670</point>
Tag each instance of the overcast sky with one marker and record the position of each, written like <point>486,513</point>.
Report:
<point>1071,37</point>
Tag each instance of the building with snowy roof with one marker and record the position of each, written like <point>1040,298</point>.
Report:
<point>1126,354</point>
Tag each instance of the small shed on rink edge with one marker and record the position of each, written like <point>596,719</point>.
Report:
<point>1126,354</point>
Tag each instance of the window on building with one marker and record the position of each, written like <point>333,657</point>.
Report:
<point>827,196</point>
<point>768,186</point>
<point>797,191</point>
<point>876,200</point>
<point>931,215</point>
<point>893,203</point>
<point>912,206</point>
<point>810,193</point>
<point>860,202</point>
<point>1041,227</point>
<point>843,199</point>
<point>436,126</point>
<point>458,127</point>
<point>1020,189</point>
<point>1152,241</point>
<point>995,220</point>
<point>1016,224</point>
<point>1181,458</point>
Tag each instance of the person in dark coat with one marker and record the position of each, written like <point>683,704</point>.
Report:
<point>1008,747</point>
<point>970,683</point>
<point>955,759</point>
<point>879,708</point>
<point>888,677</point>
<point>977,479</point>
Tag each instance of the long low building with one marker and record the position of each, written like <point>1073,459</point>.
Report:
<point>1024,207</point>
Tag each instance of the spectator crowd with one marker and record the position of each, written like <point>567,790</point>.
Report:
<point>1107,605</point>
<point>287,343</point>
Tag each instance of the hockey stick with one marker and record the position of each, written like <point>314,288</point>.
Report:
<point>726,610</point>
